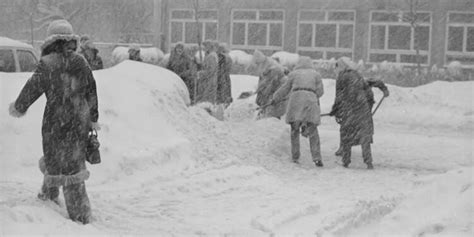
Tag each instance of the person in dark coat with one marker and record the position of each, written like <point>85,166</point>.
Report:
<point>71,111</point>
<point>224,92</point>
<point>353,111</point>
<point>304,88</point>
<point>134,53</point>
<point>207,76</point>
<point>182,64</point>
<point>91,53</point>
<point>271,77</point>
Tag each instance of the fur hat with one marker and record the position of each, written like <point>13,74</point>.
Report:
<point>59,30</point>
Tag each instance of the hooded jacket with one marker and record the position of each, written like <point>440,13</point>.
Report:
<point>271,77</point>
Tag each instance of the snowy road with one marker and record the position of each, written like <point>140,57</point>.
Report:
<point>256,190</point>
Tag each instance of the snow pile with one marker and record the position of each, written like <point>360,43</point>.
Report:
<point>120,92</point>
<point>240,57</point>
<point>4,41</point>
<point>288,60</point>
<point>443,105</point>
<point>150,55</point>
<point>242,108</point>
<point>169,169</point>
<point>442,206</point>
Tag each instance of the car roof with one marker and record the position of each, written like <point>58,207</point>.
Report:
<point>7,42</point>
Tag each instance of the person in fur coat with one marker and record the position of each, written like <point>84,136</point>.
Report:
<point>71,112</point>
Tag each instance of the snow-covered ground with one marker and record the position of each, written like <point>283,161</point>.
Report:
<point>168,169</point>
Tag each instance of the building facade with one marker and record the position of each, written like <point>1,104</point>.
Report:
<point>439,31</point>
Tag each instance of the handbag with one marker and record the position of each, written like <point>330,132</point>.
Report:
<point>92,149</point>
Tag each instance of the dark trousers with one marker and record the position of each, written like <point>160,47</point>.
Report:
<point>313,136</point>
<point>366,153</point>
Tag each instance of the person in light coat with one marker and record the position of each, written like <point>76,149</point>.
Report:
<point>271,77</point>
<point>207,76</point>
<point>304,87</point>
<point>224,85</point>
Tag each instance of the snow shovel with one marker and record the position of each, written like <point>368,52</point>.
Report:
<point>378,105</point>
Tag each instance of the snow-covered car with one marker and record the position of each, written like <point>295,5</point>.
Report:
<point>16,56</point>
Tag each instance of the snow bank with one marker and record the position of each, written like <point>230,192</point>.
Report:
<point>150,55</point>
<point>4,41</point>
<point>139,138</point>
<point>131,113</point>
<point>286,59</point>
<point>240,57</point>
<point>442,206</point>
<point>443,105</point>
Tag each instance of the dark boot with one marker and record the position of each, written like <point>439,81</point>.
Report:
<point>346,155</point>
<point>49,194</point>
<point>367,155</point>
<point>77,202</point>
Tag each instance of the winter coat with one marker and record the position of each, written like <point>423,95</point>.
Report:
<point>207,82</point>
<point>271,78</point>
<point>352,106</point>
<point>224,93</point>
<point>71,106</point>
<point>184,67</point>
<point>304,87</point>
<point>95,62</point>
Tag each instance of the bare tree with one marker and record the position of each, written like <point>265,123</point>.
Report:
<point>412,17</point>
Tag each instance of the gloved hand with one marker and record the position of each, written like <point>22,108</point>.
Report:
<point>13,112</point>
<point>386,93</point>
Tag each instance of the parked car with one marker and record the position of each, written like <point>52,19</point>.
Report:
<point>16,56</point>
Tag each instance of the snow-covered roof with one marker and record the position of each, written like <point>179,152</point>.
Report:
<point>4,41</point>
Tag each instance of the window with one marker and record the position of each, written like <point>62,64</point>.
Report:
<point>460,38</point>
<point>325,34</point>
<point>183,26</point>
<point>257,29</point>
<point>7,62</point>
<point>393,39</point>
<point>27,61</point>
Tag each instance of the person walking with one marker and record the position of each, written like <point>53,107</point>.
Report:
<point>71,112</point>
